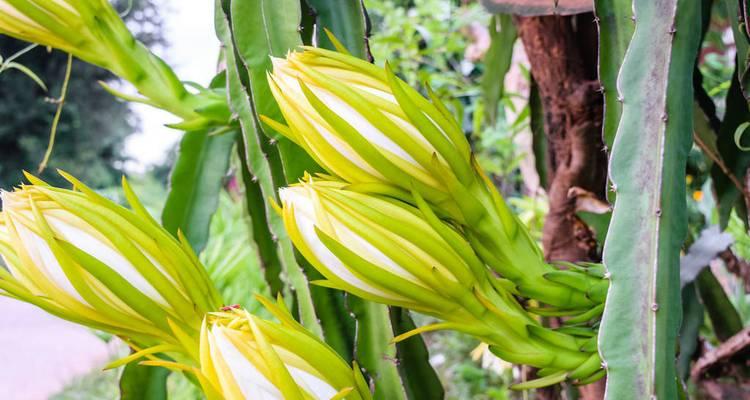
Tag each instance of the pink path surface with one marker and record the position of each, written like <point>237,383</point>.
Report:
<point>40,354</point>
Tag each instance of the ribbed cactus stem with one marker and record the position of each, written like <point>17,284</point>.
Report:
<point>649,221</point>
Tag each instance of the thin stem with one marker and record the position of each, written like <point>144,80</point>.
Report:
<point>56,119</point>
<point>20,53</point>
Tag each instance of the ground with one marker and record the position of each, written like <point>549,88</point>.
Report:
<point>41,354</point>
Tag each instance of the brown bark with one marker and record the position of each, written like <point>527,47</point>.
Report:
<point>562,54</point>
<point>737,266</point>
<point>722,372</point>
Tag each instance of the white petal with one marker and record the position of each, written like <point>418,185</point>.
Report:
<point>64,4</point>
<point>43,258</point>
<point>307,229</point>
<point>289,85</point>
<point>106,254</point>
<point>365,128</point>
<point>377,92</point>
<point>252,383</point>
<point>366,250</point>
<point>316,387</point>
<point>343,148</point>
<point>305,219</point>
<point>7,9</point>
<point>412,131</point>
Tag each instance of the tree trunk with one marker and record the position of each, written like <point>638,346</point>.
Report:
<point>562,52</point>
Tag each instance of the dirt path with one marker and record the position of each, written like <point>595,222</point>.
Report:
<point>40,354</point>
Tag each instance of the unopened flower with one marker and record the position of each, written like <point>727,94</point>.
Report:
<point>245,357</point>
<point>83,258</point>
<point>365,125</point>
<point>375,248</point>
<point>93,31</point>
<point>389,252</point>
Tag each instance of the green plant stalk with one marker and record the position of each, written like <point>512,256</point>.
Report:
<point>259,163</point>
<point>374,350</point>
<point>616,26</point>
<point>638,335</point>
<point>419,382</point>
<point>262,237</point>
<point>261,29</point>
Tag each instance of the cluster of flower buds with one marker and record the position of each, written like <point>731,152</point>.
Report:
<point>409,219</point>
<point>367,127</point>
<point>387,251</point>
<point>85,259</point>
<point>93,31</point>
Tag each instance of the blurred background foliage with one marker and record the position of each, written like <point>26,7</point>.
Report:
<point>93,125</point>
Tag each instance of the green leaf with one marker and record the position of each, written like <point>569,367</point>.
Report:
<point>692,320</point>
<point>139,382</point>
<point>497,63</point>
<point>641,320</point>
<point>737,161</point>
<point>724,317</point>
<point>196,181</point>
<point>346,20</point>
<point>742,45</point>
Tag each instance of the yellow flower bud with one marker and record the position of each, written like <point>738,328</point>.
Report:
<point>245,357</point>
<point>83,258</point>
<point>378,249</point>
<point>386,251</point>
<point>365,125</point>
